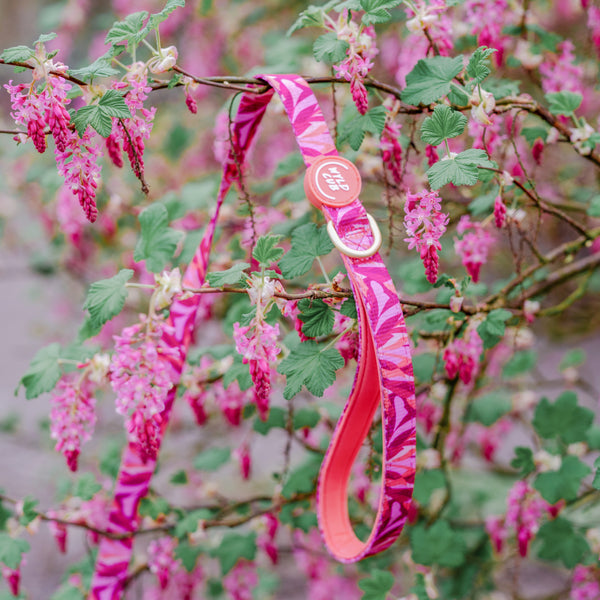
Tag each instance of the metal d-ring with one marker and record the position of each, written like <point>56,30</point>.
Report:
<point>337,242</point>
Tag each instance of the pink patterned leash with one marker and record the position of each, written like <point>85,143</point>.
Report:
<point>384,355</point>
<point>384,376</point>
<point>134,476</point>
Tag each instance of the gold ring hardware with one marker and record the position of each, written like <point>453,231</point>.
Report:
<point>352,253</point>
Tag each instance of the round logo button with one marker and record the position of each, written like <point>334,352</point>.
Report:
<point>333,181</point>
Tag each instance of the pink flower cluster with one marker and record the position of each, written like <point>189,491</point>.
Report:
<point>525,510</point>
<point>257,343</point>
<point>12,578</point>
<point>462,356</point>
<point>241,581</point>
<point>391,150</point>
<point>141,378</point>
<point>359,59</point>
<point>499,212</point>
<point>593,24</point>
<point>487,20</point>
<point>585,583</point>
<point>76,158</point>
<point>162,561</point>
<point>131,133</point>
<point>560,72</point>
<point>474,245</point>
<point>72,418</point>
<point>425,224</point>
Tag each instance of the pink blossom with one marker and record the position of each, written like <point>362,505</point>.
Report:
<point>257,343</point>
<point>425,224</point>
<point>462,356</point>
<point>72,418</point>
<point>266,539</point>
<point>499,212</point>
<point>162,561</point>
<point>486,21</point>
<point>13,578</point>
<point>474,245</point>
<point>593,23</point>
<point>242,455</point>
<point>497,531</point>
<point>78,164</point>
<point>29,110</point>
<point>359,59</point>
<point>560,73</point>
<point>391,150</point>
<point>140,376</point>
<point>585,583</point>
<point>241,581</point>
<point>59,531</point>
<point>231,401</point>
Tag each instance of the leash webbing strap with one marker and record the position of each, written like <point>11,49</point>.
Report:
<point>384,376</point>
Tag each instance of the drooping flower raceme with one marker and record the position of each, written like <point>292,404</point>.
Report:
<point>359,58</point>
<point>257,342</point>
<point>474,245</point>
<point>461,356</point>
<point>141,378</point>
<point>425,224</point>
<point>73,417</point>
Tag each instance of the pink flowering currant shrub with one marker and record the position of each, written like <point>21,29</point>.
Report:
<point>475,127</point>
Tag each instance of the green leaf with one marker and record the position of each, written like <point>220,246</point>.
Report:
<point>492,329</point>
<point>179,478</point>
<point>266,250</point>
<point>303,478</point>
<point>478,68</point>
<point>17,54</point>
<point>157,242</point>
<point>461,169</point>
<point>426,482</point>
<point>99,68</point>
<point>377,11</point>
<point>188,554</point>
<point>348,309</point>
<point>564,483</point>
<point>313,16</point>
<point>28,510</point>
<point>129,30</point>
<point>156,19</point>
<point>11,550</point>
<point>596,482</point>
<point>594,207</point>
<point>308,242</point>
<point>430,79</point>
<point>523,461</point>
<point>43,373</point>
<point>233,547</point>
<point>86,487</point>
<point>443,124</point>
<point>240,372</point>
<point>289,165</point>
<point>592,437</point>
<point>354,129</point>
<point>328,48</point>
<point>377,586</point>
<point>306,418</point>
<point>317,316</point>
<point>312,365</point>
<point>521,362</point>
<point>298,515</point>
<point>564,419</point>
<point>110,459</point>
<point>277,418</point>
<point>420,588</point>
<point>532,134</point>
<point>437,545</point>
<point>154,508</point>
<point>561,542</point>
<point>232,276</point>
<point>564,103</point>
<point>190,521</point>
<point>212,459</point>
<point>113,104</point>
<point>487,409</point>
<point>106,298</point>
